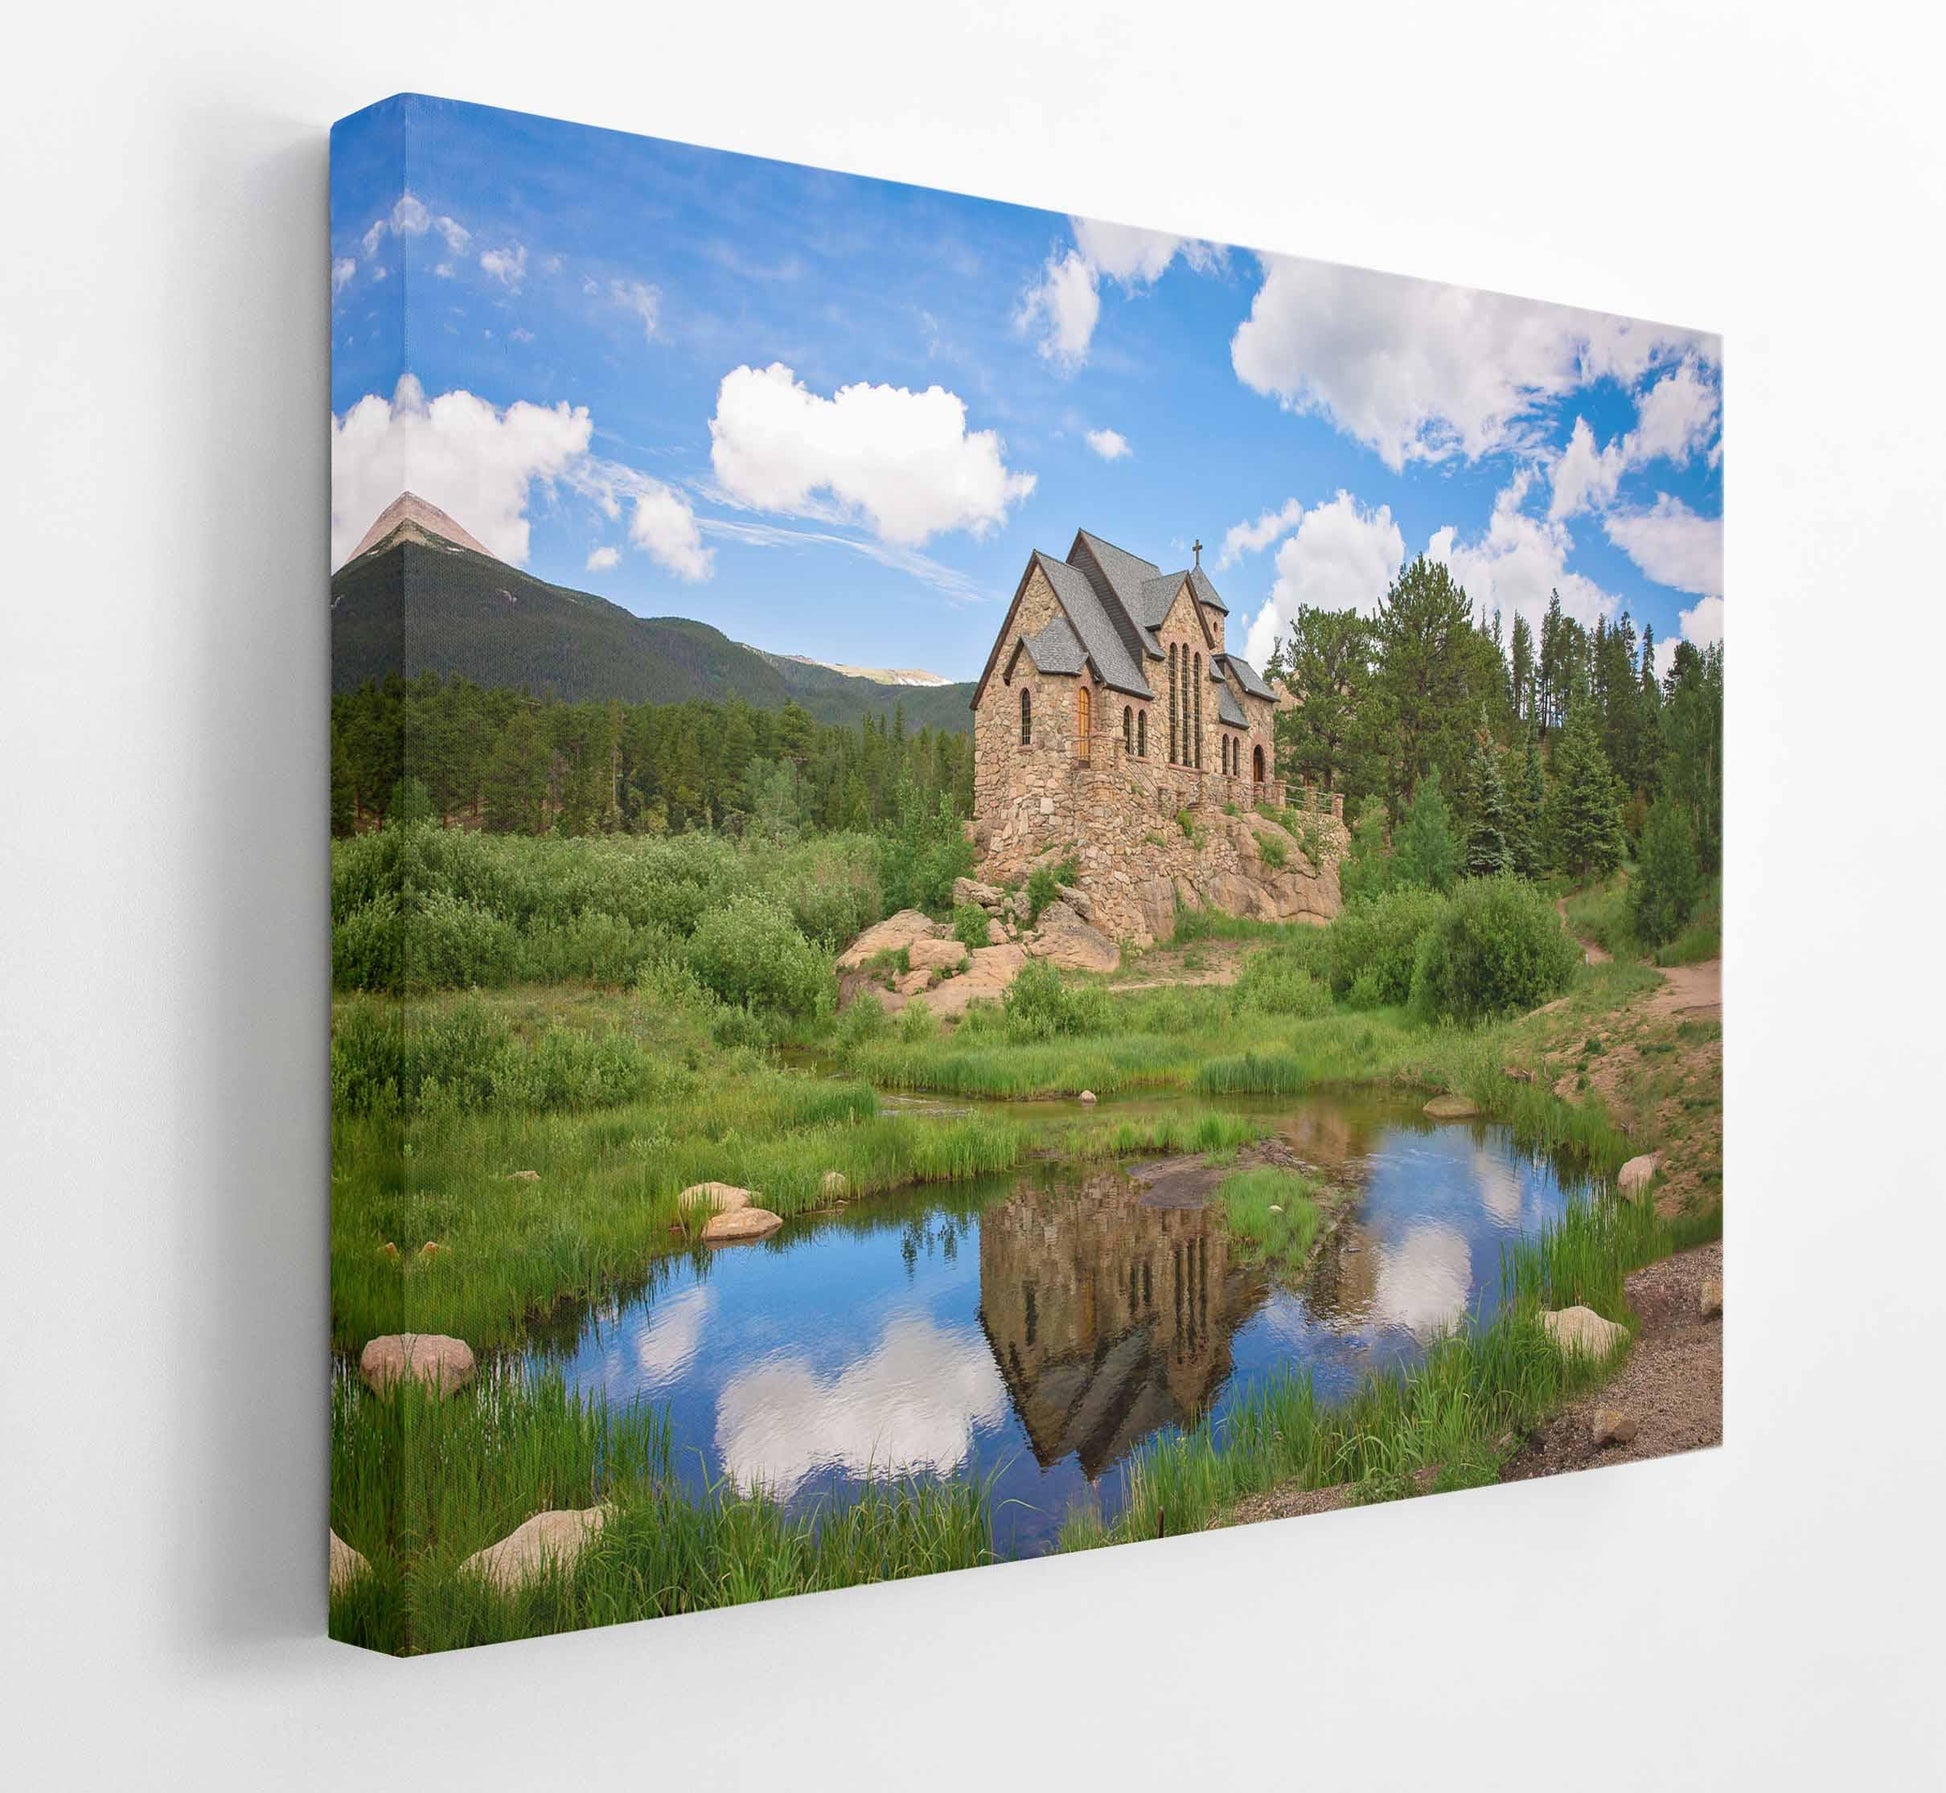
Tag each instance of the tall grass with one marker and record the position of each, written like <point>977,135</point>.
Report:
<point>419,1484</point>
<point>1273,1214</point>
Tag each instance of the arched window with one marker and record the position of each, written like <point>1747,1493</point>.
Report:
<point>1084,720</point>
<point>1026,717</point>
<point>1128,728</point>
<point>1196,685</point>
<point>1142,736</point>
<point>1257,764</point>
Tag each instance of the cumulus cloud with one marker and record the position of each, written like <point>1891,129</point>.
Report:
<point>508,266</point>
<point>644,301</point>
<point>1063,307</point>
<point>410,217</point>
<point>1252,538</point>
<point>1341,557</point>
<point>603,559</point>
<point>478,463</point>
<point>1675,420</point>
<point>1518,560</point>
<point>1065,303</point>
<point>1111,445</point>
<point>1419,371</point>
<point>910,1406</point>
<point>1672,545</point>
<point>369,242</point>
<point>662,523</point>
<point>904,462</point>
<point>341,272</point>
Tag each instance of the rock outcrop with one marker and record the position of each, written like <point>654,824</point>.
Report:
<point>1637,1174</point>
<point>713,1198</point>
<point>894,934</point>
<point>347,1565</point>
<point>740,1225</point>
<point>1065,940</point>
<point>1452,1108</point>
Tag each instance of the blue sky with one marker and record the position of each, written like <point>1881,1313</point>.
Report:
<point>833,416</point>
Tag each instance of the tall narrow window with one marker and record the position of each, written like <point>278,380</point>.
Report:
<point>1172,705</point>
<point>1128,728</point>
<point>1257,764</point>
<point>1142,736</point>
<point>1084,718</point>
<point>1196,685</point>
<point>1026,717</point>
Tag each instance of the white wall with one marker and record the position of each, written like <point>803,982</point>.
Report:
<point>1762,1615</point>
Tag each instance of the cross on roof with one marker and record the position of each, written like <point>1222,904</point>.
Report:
<point>1198,547</point>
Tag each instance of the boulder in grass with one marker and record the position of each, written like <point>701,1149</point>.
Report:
<point>1637,1174</point>
<point>1581,1332</point>
<point>970,893</point>
<point>443,1364</point>
<point>346,1564</point>
<point>1452,1108</point>
<point>712,1198</point>
<point>947,956</point>
<point>741,1226</point>
<point>1709,1299</point>
<point>433,1249</point>
<point>550,1540</point>
<point>523,1176</point>
<point>1611,1426</point>
<point>1088,1096</point>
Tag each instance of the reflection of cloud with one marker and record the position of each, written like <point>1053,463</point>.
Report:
<point>1499,1186</point>
<point>1423,1279</point>
<point>674,1331</point>
<point>912,1404</point>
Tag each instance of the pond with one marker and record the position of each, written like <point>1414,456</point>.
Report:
<point>1033,1329</point>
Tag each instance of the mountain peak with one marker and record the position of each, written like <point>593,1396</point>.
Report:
<point>410,518</point>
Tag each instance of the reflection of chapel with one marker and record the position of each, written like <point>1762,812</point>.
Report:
<point>1110,682</point>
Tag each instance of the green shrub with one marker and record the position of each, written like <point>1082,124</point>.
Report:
<point>1042,888</point>
<point>1275,850</point>
<point>750,953</point>
<point>970,926</point>
<point>1040,1006</point>
<point>922,853</point>
<point>1366,992</point>
<point>1378,941</point>
<point>865,1020</point>
<point>1498,948</point>
<point>1426,852</point>
<point>917,1024</point>
<point>1281,982</point>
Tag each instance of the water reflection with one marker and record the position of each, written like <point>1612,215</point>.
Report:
<point>1110,1316</point>
<point>1033,1330</point>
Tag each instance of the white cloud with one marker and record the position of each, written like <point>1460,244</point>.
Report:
<point>1675,419</point>
<point>1519,561</point>
<point>1251,538</point>
<point>341,273</point>
<point>410,217</point>
<point>1111,445</point>
<point>476,462</point>
<point>663,523</point>
<point>1419,371</point>
<point>903,461</point>
<point>508,266</point>
<point>676,1323</point>
<point>911,1406</point>
<point>1342,557</point>
<point>1703,625</point>
<point>369,242</point>
<point>644,301</point>
<point>1066,301</point>
<point>1672,545</point>
<point>1064,306</point>
<point>602,559</point>
<point>456,234</point>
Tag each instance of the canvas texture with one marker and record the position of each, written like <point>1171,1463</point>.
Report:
<point>1000,884</point>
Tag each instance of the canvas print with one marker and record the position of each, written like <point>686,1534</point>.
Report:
<point>1001,884</point>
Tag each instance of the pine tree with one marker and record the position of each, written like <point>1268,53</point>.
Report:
<point>1521,648</point>
<point>1586,824</point>
<point>1327,661</point>
<point>1490,821</point>
<point>1426,853</point>
<point>1664,889</point>
<point>1529,810</point>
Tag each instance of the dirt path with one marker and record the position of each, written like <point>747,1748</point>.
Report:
<point>1671,1388</point>
<point>1591,954</point>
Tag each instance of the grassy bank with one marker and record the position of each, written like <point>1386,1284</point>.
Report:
<point>1448,1422</point>
<point>418,1485</point>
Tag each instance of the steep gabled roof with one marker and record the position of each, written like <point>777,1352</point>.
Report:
<point>1055,648</point>
<point>1205,592</point>
<point>1249,677</point>
<point>1094,621</point>
<point>1228,710</point>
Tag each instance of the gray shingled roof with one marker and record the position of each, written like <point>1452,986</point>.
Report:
<point>1228,709</point>
<point>1056,648</point>
<point>1101,641</point>
<point>1206,592</point>
<point>1249,677</point>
